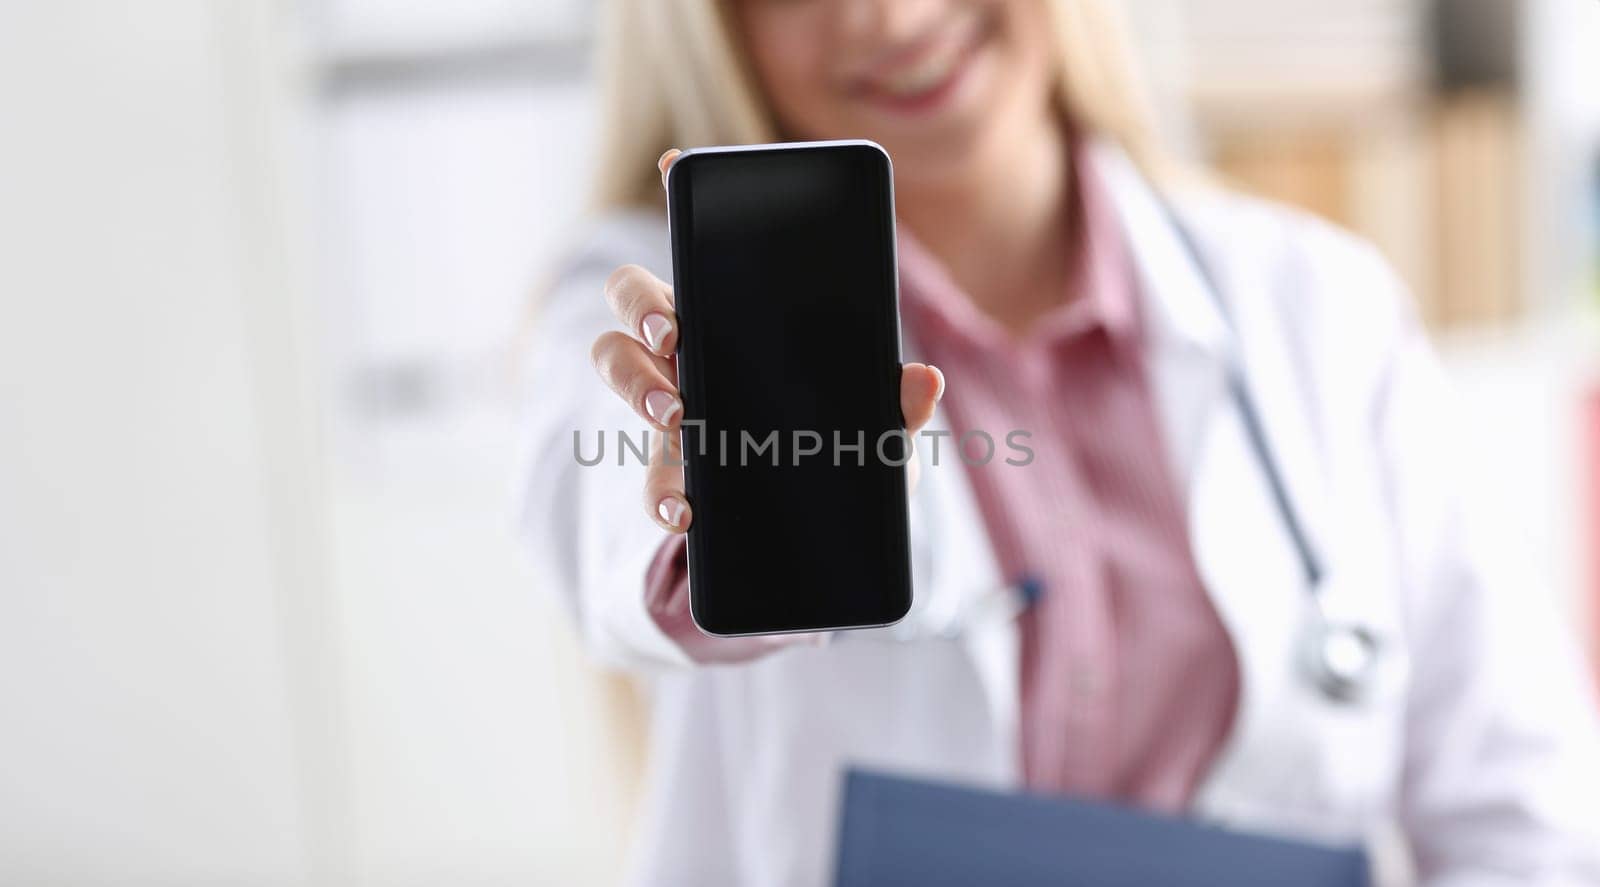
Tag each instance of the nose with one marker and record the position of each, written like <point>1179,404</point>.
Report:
<point>887,21</point>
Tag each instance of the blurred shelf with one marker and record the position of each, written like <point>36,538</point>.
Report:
<point>1255,102</point>
<point>362,46</point>
<point>1293,58</point>
<point>377,67</point>
<point>1436,181</point>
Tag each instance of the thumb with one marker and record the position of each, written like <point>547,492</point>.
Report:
<point>921,386</point>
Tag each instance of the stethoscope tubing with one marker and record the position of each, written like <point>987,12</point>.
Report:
<point>1339,657</point>
<point>1329,645</point>
<point>1245,403</point>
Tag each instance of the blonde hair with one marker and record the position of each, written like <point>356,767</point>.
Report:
<point>674,76</point>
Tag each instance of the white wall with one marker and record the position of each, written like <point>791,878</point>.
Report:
<point>483,749</point>
<point>153,489</point>
<point>254,630</point>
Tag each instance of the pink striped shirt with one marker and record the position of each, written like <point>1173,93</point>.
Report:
<point>1129,682</point>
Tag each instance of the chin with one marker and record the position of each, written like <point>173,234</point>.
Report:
<point>944,147</point>
<point>932,156</point>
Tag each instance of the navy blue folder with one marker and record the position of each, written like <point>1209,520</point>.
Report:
<point>901,831</point>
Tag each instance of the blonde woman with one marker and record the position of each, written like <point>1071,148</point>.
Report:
<point>1065,286</point>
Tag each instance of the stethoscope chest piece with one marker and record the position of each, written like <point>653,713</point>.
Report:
<point>1340,659</point>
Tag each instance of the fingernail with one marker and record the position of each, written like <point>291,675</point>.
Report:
<point>938,394</point>
<point>671,510</point>
<point>662,407</point>
<point>655,328</point>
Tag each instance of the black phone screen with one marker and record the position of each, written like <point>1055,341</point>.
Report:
<point>789,367</point>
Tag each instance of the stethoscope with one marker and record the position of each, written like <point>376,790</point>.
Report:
<point>1339,658</point>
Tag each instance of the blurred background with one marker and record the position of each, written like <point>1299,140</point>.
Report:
<point>264,267</point>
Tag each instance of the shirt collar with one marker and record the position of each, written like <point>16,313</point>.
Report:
<point>1179,306</point>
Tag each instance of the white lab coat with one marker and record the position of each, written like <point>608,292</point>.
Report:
<point>1479,743</point>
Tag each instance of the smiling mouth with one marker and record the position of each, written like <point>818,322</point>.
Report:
<point>931,72</point>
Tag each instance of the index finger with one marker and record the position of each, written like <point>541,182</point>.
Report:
<point>643,302</point>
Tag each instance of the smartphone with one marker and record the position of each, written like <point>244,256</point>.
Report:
<point>794,450</point>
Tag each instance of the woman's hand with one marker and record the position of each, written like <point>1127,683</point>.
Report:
<point>640,367</point>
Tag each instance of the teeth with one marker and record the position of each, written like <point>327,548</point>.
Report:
<point>923,75</point>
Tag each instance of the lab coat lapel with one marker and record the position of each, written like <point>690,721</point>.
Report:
<point>1241,546</point>
<point>965,572</point>
<point>1186,336</point>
